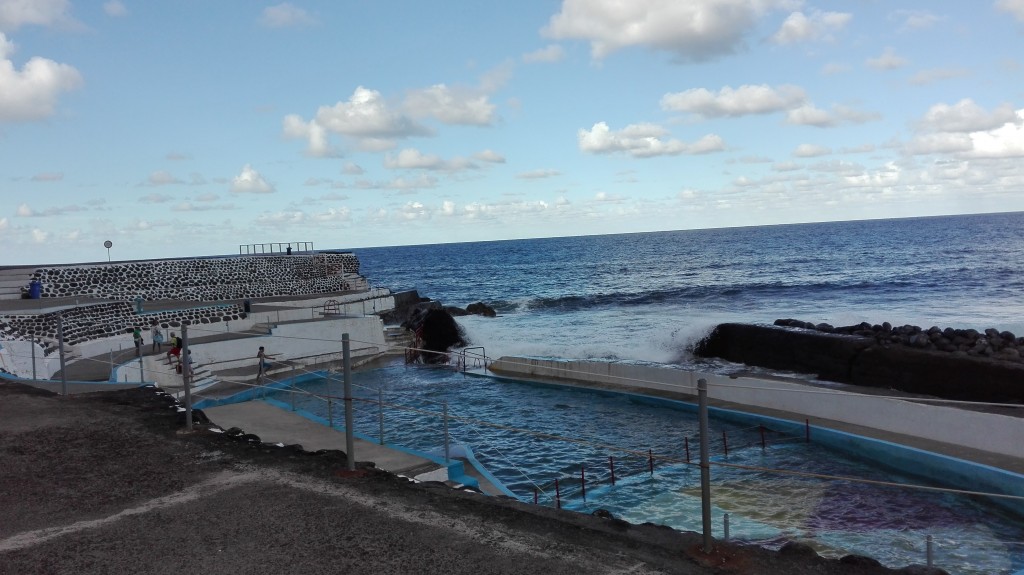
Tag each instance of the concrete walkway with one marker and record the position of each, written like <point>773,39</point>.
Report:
<point>275,425</point>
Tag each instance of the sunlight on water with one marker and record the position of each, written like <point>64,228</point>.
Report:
<point>765,508</point>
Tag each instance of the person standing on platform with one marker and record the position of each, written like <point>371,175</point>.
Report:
<point>157,336</point>
<point>137,336</point>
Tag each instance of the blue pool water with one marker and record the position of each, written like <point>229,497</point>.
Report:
<point>515,430</point>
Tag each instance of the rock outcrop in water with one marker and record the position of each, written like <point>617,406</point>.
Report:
<point>952,364</point>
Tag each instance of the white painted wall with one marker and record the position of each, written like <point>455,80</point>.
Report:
<point>987,432</point>
<point>16,357</point>
<point>301,343</point>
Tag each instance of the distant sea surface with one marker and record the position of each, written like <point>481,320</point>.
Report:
<point>648,296</point>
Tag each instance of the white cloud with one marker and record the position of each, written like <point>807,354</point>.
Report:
<point>799,27</point>
<point>887,61</point>
<point>162,178</point>
<point>17,13</point>
<point>550,53</point>
<point>642,141</point>
<point>450,106</point>
<point>342,214</point>
<point>48,177</point>
<point>31,93</point>
<point>1006,141</point>
<point>155,198</point>
<point>352,169</point>
<point>811,151</point>
<point>39,236</point>
<point>925,77</point>
<point>808,115</point>
<point>250,182</point>
<point>317,142</point>
<point>1014,7</point>
<point>915,19</point>
<point>366,114</point>
<point>24,211</point>
<point>490,156</point>
<point>412,159</point>
<point>282,218</point>
<point>833,68</point>
<point>742,101</point>
<point>966,116</point>
<point>538,174</point>
<point>940,143</point>
<point>694,30</point>
<point>285,15</point>
<point>115,8</point>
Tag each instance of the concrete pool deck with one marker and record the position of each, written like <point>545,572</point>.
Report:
<point>275,425</point>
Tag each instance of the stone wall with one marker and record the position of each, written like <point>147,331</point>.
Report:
<point>209,279</point>
<point>197,280</point>
<point>97,321</point>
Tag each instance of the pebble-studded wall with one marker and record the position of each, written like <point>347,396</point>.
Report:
<point>98,321</point>
<point>210,279</point>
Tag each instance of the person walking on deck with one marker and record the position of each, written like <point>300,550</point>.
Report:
<point>262,356</point>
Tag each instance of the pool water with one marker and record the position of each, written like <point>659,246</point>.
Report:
<point>527,435</point>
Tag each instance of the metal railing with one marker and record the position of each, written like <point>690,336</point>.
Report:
<point>275,248</point>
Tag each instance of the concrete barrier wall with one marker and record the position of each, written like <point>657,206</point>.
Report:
<point>302,343</point>
<point>986,432</point>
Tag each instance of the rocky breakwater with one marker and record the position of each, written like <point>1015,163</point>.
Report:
<point>962,364</point>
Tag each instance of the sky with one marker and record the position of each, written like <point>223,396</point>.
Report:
<point>189,127</point>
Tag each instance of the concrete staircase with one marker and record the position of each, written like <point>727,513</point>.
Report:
<point>12,280</point>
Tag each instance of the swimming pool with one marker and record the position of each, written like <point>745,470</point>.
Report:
<point>527,435</point>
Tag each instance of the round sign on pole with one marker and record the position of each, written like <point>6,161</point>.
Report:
<point>108,244</point>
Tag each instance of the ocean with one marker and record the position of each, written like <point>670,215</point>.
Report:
<point>648,297</point>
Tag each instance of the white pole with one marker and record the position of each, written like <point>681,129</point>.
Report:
<point>60,349</point>
<point>350,444</point>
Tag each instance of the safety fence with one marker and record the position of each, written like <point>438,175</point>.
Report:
<point>275,247</point>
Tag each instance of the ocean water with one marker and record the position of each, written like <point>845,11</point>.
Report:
<point>648,296</point>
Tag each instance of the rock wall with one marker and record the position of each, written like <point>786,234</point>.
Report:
<point>865,361</point>
<point>206,279</point>
<point>209,279</point>
<point>97,321</point>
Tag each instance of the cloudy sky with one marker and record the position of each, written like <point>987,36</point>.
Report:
<point>188,127</point>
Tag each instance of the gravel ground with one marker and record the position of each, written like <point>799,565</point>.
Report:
<point>110,482</point>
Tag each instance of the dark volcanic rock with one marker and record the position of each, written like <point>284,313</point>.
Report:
<point>904,358</point>
<point>480,308</point>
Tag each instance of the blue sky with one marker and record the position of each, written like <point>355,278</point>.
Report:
<point>191,127</point>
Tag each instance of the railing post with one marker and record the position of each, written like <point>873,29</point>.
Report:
<point>705,463</point>
<point>350,444</point>
<point>33,359</point>
<point>725,527</point>
<point>446,449</point>
<point>330,413</point>
<point>380,413</point>
<point>60,349</point>
<point>138,352</point>
<point>929,550</point>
